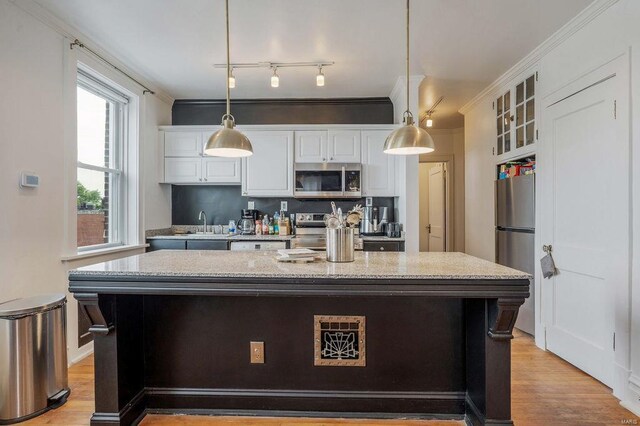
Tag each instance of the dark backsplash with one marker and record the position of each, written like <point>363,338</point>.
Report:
<point>223,203</point>
<point>285,111</point>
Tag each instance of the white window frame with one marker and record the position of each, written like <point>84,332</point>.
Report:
<point>120,192</point>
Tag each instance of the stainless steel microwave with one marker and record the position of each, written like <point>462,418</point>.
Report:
<point>328,180</point>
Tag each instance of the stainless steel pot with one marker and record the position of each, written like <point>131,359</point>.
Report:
<point>340,244</point>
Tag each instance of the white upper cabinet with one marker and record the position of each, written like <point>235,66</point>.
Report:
<point>221,170</point>
<point>311,146</point>
<point>343,146</point>
<point>269,171</point>
<point>183,144</point>
<point>378,168</point>
<point>183,170</point>
<point>185,162</point>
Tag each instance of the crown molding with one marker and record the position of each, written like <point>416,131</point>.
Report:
<point>37,11</point>
<point>287,101</point>
<point>583,18</point>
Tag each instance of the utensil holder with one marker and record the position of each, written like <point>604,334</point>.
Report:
<point>340,247</point>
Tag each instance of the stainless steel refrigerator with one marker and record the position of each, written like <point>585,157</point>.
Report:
<point>515,233</point>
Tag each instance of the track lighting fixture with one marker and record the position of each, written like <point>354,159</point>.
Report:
<point>232,80</point>
<point>275,78</point>
<point>320,77</point>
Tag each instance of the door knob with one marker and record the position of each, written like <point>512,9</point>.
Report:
<point>428,228</point>
<point>547,248</point>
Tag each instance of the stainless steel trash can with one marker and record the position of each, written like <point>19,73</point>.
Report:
<point>33,356</point>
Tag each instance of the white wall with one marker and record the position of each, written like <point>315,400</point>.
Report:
<point>590,43</point>
<point>450,143</point>
<point>34,118</point>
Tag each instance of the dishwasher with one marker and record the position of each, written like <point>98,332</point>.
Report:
<point>257,245</point>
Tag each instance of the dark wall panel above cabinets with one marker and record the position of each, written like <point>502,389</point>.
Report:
<point>285,111</point>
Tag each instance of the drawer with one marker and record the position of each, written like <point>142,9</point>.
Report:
<point>167,245</point>
<point>383,246</point>
<point>207,245</point>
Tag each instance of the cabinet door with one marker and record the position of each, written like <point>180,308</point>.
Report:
<point>269,171</point>
<point>220,170</point>
<point>383,246</point>
<point>378,168</point>
<point>183,170</point>
<point>311,146</point>
<point>166,244</point>
<point>343,146</point>
<point>207,245</point>
<point>182,144</point>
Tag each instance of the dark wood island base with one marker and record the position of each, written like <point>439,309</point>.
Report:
<point>420,347</point>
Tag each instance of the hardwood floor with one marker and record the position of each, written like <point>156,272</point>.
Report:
<point>545,391</point>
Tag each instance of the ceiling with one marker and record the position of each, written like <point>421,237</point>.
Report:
<point>460,45</point>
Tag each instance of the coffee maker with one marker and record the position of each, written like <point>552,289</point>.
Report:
<point>374,220</point>
<point>247,222</point>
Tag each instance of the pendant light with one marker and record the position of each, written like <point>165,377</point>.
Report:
<point>228,142</point>
<point>408,139</point>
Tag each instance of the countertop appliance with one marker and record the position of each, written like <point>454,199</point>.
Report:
<point>328,180</point>
<point>374,221</point>
<point>247,223</point>
<point>515,235</point>
<point>311,233</point>
<point>257,245</point>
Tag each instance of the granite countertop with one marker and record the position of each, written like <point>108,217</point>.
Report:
<point>262,264</point>
<point>225,237</point>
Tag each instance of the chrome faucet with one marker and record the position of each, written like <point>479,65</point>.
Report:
<point>203,217</point>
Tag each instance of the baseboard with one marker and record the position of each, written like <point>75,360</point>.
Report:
<point>81,354</point>
<point>131,414</point>
<point>305,402</point>
<point>474,417</point>
<point>632,406</point>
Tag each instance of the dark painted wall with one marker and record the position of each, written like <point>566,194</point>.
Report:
<point>285,111</point>
<point>223,203</point>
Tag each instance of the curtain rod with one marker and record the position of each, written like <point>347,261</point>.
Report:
<point>78,43</point>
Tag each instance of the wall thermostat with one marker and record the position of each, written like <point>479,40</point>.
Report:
<point>29,180</point>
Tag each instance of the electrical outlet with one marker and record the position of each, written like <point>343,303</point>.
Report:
<point>368,201</point>
<point>251,205</point>
<point>257,352</point>
<point>284,206</point>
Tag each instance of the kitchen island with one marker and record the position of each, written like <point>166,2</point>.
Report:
<point>391,335</point>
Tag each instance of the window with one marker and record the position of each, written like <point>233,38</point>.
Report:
<point>102,118</point>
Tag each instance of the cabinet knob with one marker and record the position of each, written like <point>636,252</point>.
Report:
<point>381,248</point>
<point>324,159</point>
<point>331,158</point>
<point>205,179</point>
<point>200,179</point>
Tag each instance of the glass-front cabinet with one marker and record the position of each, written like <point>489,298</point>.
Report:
<point>516,120</point>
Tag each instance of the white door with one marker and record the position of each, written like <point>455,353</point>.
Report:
<point>378,168</point>
<point>437,201</point>
<point>343,146</point>
<point>183,170</point>
<point>269,171</point>
<point>182,144</point>
<point>311,146</point>
<point>221,170</point>
<point>585,219</point>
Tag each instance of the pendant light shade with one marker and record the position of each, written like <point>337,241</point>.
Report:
<point>228,142</point>
<point>408,139</point>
